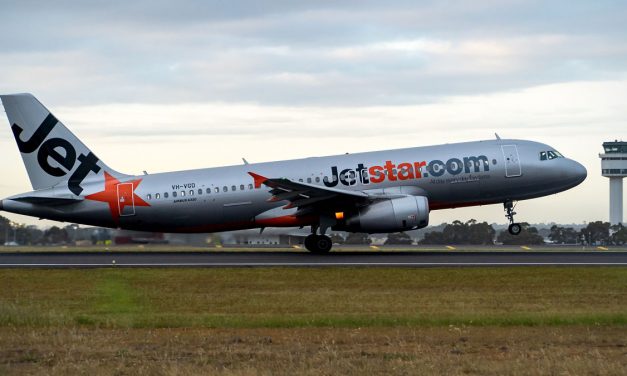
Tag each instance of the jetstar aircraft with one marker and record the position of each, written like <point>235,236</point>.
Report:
<point>374,192</point>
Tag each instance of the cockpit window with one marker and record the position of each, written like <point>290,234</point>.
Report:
<point>553,154</point>
<point>550,154</point>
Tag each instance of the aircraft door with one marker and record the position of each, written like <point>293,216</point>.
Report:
<point>126,199</point>
<point>512,161</point>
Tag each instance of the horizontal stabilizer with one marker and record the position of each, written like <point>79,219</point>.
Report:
<point>48,201</point>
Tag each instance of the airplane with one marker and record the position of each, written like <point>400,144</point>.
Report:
<point>370,192</point>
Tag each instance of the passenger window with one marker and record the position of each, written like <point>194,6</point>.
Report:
<point>300,180</point>
<point>225,189</point>
<point>217,190</point>
<point>543,155</point>
<point>250,186</point>
<point>157,196</point>
<point>174,194</point>
<point>191,192</point>
<point>208,191</point>
<point>309,180</point>
<point>317,179</point>
<point>182,193</point>
<point>241,187</point>
<point>233,188</point>
<point>149,196</point>
<point>165,195</point>
<point>199,191</point>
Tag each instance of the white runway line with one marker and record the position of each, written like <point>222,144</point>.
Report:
<point>204,264</point>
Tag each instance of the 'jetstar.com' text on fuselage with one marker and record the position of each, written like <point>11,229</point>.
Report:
<point>406,170</point>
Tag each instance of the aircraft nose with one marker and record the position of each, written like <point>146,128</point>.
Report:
<point>576,172</point>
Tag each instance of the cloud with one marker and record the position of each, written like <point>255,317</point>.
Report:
<point>292,53</point>
<point>199,83</point>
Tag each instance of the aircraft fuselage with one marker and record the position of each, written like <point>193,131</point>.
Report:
<point>225,198</point>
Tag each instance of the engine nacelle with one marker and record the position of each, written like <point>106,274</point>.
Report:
<point>392,215</point>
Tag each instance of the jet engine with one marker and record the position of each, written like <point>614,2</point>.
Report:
<point>389,215</point>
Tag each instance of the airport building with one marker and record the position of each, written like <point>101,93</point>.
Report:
<point>614,167</point>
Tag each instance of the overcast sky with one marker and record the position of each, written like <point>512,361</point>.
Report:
<point>163,85</point>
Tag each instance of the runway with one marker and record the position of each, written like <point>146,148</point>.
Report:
<point>301,259</point>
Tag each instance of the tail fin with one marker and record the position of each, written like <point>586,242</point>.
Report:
<point>51,153</point>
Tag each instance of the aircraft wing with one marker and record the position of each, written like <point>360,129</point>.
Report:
<point>307,197</point>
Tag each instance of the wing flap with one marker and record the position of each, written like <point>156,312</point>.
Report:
<point>307,197</point>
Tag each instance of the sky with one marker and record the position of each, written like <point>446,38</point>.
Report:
<point>163,85</point>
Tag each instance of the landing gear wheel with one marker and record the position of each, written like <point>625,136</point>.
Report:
<point>514,228</point>
<point>318,243</point>
<point>309,242</point>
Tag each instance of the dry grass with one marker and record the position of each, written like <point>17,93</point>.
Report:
<point>314,321</point>
<point>569,350</point>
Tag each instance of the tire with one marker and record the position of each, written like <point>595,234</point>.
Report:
<point>309,242</point>
<point>323,244</point>
<point>514,228</point>
<point>318,243</point>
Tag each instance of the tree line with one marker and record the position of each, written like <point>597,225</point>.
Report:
<point>11,232</point>
<point>457,232</point>
<point>481,233</point>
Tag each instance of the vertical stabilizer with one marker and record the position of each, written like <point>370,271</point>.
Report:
<point>51,153</point>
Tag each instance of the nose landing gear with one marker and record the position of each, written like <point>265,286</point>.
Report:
<point>513,228</point>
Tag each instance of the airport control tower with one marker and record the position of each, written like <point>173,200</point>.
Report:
<point>614,166</point>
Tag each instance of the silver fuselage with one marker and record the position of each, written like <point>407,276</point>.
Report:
<point>449,175</point>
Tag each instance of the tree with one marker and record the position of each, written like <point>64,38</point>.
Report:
<point>529,235</point>
<point>433,237</point>
<point>28,235</point>
<point>6,231</point>
<point>458,232</point>
<point>358,238</point>
<point>561,235</point>
<point>481,233</point>
<point>55,235</point>
<point>398,238</point>
<point>619,237</point>
<point>597,232</point>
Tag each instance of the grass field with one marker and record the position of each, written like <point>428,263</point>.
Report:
<point>300,297</point>
<point>314,320</point>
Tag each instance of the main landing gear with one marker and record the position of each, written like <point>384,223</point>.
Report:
<point>318,243</point>
<point>514,228</point>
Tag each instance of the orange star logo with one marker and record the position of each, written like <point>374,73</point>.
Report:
<point>118,195</point>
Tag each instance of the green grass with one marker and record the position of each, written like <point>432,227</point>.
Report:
<point>313,297</point>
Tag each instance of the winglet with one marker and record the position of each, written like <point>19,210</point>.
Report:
<point>259,180</point>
